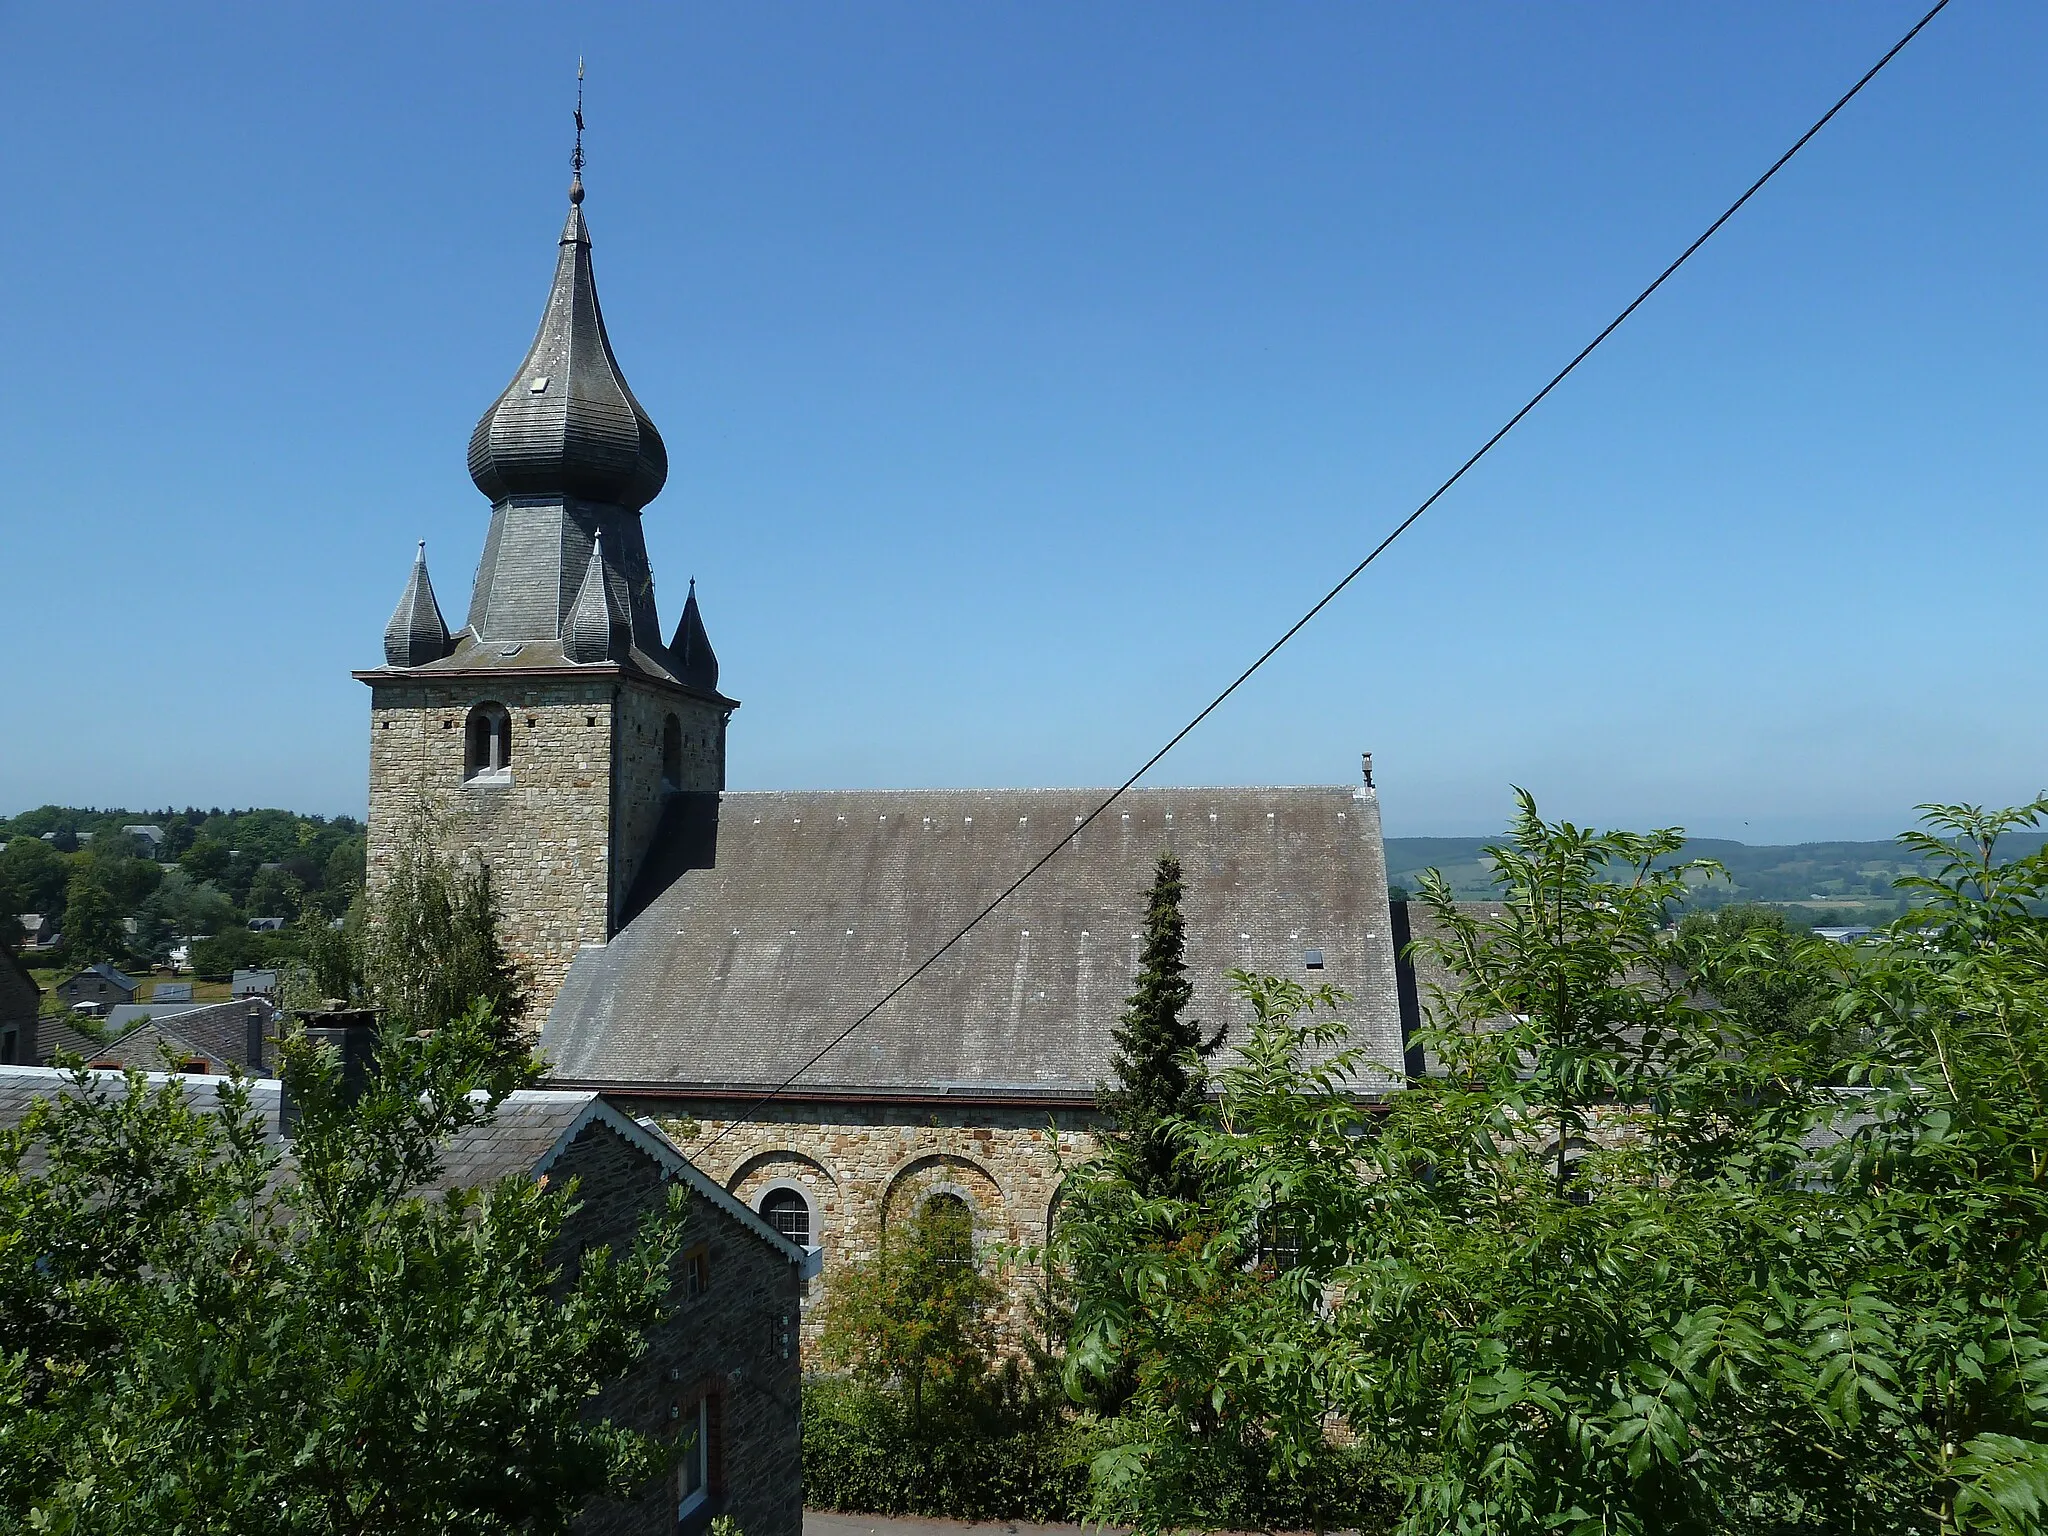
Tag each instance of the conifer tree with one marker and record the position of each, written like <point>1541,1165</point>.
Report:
<point>1159,1076</point>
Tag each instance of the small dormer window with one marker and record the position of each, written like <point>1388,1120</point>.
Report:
<point>538,384</point>
<point>487,746</point>
<point>1312,959</point>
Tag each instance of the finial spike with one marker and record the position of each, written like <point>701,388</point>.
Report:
<point>576,156</point>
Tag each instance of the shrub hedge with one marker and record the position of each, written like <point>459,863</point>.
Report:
<point>1029,1461</point>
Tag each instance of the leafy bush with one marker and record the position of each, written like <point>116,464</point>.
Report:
<point>860,1453</point>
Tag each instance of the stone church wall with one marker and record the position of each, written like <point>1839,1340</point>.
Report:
<point>561,862</point>
<point>546,834</point>
<point>865,1167</point>
<point>641,718</point>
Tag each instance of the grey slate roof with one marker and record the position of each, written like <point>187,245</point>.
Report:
<point>137,1033</point>
<point>597,628</point>
<point>690,651</point>
<point>417,634</point>
<point>22,1086</point>
<point>816,903</point>
<point>567,424</point>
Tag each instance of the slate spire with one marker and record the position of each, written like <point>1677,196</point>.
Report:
<point>597,628</point>
<point>690,652</point>
<point>568,424</point>
<point>416,634</point>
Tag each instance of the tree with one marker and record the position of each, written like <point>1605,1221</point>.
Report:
<point>919,1317</point>
<point>275,893</point>
<point>190,1341</point>
<point>431,942</point>
<point>1645,1258</point>
<point>1159,1080</point>
<point>38,872</point>
<point>189,908</point>
<point>1205,1317</point>
<point>92,922</point>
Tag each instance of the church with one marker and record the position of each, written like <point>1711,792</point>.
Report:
<point>695,949</point>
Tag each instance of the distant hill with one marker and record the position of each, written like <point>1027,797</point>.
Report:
<point>1852,881</point>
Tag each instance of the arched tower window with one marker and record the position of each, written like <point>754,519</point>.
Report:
<point>672,754</point>
<point>487,743</point>
<point>788,1212</point>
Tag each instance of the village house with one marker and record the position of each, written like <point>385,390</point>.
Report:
<point>99,986</point>
<point>204,1038</point>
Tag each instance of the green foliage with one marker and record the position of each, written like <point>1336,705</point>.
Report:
<point>1211,1307</point>
<point>188,908</point>
<point>1727,1231</point>
<point>1159,1080</point>
<point>194,1337</point>
<point>921,1316</point>
<point>236,949</point>
<point>1003,1461</point>
<point>92,922</point>
<point>429,943</point>
<point>37,873</point>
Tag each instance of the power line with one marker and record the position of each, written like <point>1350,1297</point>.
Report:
<point>1355,572</point>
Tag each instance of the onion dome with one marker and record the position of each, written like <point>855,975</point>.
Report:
<point>690,652</point>
<point>568,425</point>
<point>597,628</point>
<point>416,634</point>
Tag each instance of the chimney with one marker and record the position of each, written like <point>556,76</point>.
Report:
<point>353,1034</point>
<point>254,1039</point>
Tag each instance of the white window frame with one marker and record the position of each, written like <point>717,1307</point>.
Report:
<point>699,1462</point>
<point>811,1213</point>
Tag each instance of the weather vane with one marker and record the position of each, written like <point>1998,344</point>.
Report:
<point>576,158</point>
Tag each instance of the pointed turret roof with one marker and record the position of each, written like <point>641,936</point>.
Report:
<point>416,634</point>
<point>690,652</point>
<point>568,425</point>
<point>597,627</point>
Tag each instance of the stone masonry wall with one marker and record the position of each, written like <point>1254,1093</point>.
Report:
<point>546,834</point>
<point>563,847</point>
<point>641,720</point>
<point>736,1343</point>
<point>863,1167</point>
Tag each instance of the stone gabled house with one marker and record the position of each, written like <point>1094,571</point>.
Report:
<point>722,1372</point>
<point>100,985</point>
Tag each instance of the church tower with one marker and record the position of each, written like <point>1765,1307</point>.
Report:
<point>555,736</point>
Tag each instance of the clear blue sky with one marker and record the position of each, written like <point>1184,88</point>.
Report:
<point>1025,368</point>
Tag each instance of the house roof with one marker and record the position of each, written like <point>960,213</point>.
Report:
<point>814,904</point>
<point>135,1031</point>
<point>106,972</point>
<point>530,1130</point>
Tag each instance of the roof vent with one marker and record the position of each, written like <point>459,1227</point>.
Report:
<point>1313,959</point>
<point>538,384</point>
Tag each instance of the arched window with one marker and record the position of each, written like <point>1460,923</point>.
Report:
<point>672,754</point>
<point>788,1212</point>
<point>487,744</point>
<point>947,1223</point>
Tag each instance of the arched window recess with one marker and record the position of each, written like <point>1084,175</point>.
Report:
<point>487,746</point>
